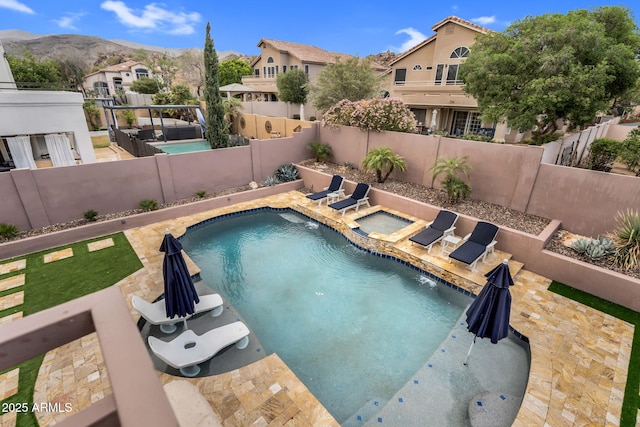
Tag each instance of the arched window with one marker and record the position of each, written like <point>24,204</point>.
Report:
<point>417,67</point>
<point>269,60</point>
<point>459,52</point>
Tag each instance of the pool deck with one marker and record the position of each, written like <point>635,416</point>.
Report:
<point>579,356</point>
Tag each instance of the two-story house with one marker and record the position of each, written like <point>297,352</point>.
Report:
<point>107,81</point>
<point>278,57</point>
<point>426,78</point>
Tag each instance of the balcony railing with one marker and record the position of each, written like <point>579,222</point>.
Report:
<point>42,86</point>
<point>429,83</point>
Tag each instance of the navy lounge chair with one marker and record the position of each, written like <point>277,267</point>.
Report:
<point>436,230</point>
<point>355,200</point>
<point>334,187</point>
<point>476,245</point>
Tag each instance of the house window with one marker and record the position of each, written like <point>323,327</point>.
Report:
<point>271,71</point>
<point>465,122</point>
<point>452,74</point>
<point>417,67</point>
<point>264,71</point>
<point>439,71</point>
<point>459,52</point>
<point>294,67</point>
<point>117,83</point>
<point>141,72</point>
<point>269,60</point>
<point>101,88</point>
<point>400,77</point>
<point>306,69</point>
<point>284,69</point>
<point>428,67</point>
<point>256,72</point>
<point>276,69</point>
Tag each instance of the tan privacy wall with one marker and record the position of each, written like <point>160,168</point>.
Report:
<point>585,201</point>
<point>41,197</point>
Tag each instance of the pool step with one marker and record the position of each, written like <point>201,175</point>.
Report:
<point>366,413</point>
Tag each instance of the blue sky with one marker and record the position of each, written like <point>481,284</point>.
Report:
<point>357,28</point>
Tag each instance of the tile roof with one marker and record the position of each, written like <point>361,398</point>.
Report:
<point>305,52</point>
<point>120,67</point>
<point>462,22</point>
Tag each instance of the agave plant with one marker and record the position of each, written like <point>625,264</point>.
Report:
<point>581,245</point>
<point>626,239</point>
<point>286,173</point>
<point>271,181</point>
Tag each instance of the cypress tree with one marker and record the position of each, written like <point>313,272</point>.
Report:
<point>217,132</point>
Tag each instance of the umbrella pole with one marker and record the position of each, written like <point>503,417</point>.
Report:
<point>466,359</point>
<point>184,320</point>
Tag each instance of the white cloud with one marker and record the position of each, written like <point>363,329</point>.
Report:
<point>153,17</point>
<point>16,5</point>
<point>454,7</point>
<point>68,20</point>
<point>415,37</point>
<point>484,20</point>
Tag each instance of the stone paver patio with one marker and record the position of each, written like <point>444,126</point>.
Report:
<point>579,356</point>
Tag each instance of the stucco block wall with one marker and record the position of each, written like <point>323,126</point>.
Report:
<point>585,201</point>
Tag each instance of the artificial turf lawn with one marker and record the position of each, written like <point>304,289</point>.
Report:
<point>48,285</point>
<point>631,401</point>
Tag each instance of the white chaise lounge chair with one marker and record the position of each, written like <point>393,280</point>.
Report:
<point>155,313</point>
<point>355,200</point>
<point>189,349</point>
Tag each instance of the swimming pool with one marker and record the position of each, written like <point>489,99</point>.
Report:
<point>183,147</point>
<point>352,326</point>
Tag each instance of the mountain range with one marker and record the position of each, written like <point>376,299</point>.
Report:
<point>86,49</point>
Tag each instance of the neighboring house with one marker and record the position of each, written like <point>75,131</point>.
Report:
<point>41,128</point>
<point>426,78</point>
<point>277,57</point>
<point>110,80</point>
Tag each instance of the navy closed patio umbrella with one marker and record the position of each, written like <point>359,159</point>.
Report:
<point>180,294</point>
<point>488,315</point>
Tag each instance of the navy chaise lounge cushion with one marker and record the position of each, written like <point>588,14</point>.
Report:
<point>444,221</point>
<point>481,237</point>
<point>359,193</point>
<point>336,183</point>
<point>427,236</point>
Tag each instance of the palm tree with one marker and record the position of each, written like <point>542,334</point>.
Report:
<point>232,107</point>
<point>383,160</point>
<point>454,185</point>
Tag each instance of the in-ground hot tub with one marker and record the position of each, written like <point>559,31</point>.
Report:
<point>382,222</point>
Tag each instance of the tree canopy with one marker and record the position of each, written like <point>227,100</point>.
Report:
<point>352,79</point>
<point>551,67</point>
<point>217,131</point>
<point>29,69</point>
<point>145,85</point>
<point>292,87</point>
<point>231,71</point>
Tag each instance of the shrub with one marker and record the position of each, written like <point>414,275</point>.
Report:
<point>201,193</point>
<point>91,215</point>
<point>630,150</point>
<point>8,231</point>
<point>456,189</point>
<point>348,165</point>
<point>312,118</point>
<point>372,114</point>
<point>383,161</point>
<point>602,154</point>
<point>286,173</point>
<point>626,238</point>
<point>452,183</point>
<point>321,151</point>
<point>149,205</point>
<point>296,117</point>
<point>271,181</point>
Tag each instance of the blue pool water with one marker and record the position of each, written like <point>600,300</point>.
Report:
<point>354,327</point>
<point>184,147</point>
